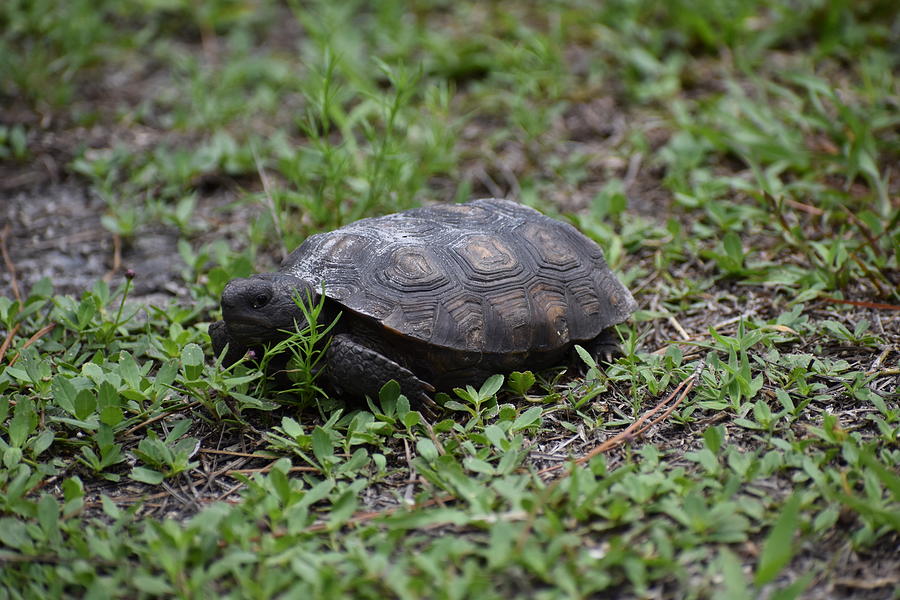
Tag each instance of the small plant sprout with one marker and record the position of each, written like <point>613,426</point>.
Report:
<point>306,347</point>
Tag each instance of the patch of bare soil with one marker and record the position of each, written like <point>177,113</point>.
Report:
<point>55,232</point>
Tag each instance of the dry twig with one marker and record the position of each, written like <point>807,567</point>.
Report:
<point>8,341</point>
<point>638,428</point>
<point>9,264</point>
<point>270,202</point>
<point>158,417</point>
<point>38,335</point>
<point>875,305</point>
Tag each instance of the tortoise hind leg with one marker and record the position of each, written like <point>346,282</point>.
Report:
<point>356,369</point>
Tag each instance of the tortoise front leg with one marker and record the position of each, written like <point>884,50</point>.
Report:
<point>605,347</point>
<point>357,370</point>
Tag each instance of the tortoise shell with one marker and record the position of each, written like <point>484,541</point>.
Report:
<point>488,277</point>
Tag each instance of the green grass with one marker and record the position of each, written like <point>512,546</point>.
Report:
<point>737,161</point>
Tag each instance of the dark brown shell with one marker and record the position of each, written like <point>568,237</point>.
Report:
<point>489,276</point>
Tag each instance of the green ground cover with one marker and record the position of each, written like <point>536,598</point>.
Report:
<point>737,161</point>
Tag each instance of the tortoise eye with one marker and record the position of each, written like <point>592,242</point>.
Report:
<point>259,301</point>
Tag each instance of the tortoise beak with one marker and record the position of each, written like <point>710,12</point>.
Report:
<point>220,337</point>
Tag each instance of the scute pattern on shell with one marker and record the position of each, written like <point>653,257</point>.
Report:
<point>489,276</point>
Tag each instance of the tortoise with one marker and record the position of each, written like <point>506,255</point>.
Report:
<point>435,297</point>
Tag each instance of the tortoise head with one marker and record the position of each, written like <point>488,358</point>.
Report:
<point>257,309</point>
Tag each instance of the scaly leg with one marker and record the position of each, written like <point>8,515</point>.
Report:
<point>357,370</point>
